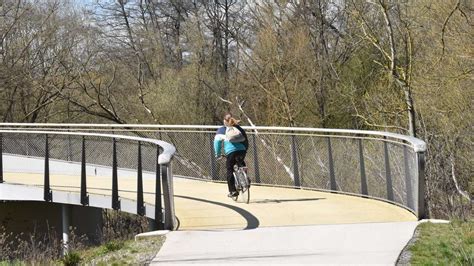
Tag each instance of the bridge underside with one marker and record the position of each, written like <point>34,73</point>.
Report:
<point>204,205</point>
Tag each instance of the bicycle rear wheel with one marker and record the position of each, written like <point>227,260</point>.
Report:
<point>237,186</point>
<point>245,187</point>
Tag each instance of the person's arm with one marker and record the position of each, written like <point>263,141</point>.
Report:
<point>242,131</point>
<point>218,139</point>
<point>246,141</point>
<point>217,146</point>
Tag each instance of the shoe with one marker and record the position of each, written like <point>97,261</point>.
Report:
<point>233,194</point>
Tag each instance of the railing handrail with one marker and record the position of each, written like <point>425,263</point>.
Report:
<point>164,157</point>
<point>418,145</point>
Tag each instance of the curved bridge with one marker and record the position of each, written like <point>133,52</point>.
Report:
<point>300,176</point>
<point>205,206</point>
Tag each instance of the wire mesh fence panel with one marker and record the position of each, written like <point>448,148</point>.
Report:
<point>375,169</point>
<point>275,159</point>
<point>397,171</point>
<point>33,147</point>
<point>64,160</point>
<point>65,147</point>
<point>193,154</point>
<point>19,144</point>
<point>99,151</point>
<point>149,158</point>
<point>314,162</point>
<point>20,152</point>
<point>251,159</point>
<point>127,154</point>
<point>346,165</point>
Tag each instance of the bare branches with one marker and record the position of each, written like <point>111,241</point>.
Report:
<point>443,29</point>
<point>453,176</point>
<point>389,28</point>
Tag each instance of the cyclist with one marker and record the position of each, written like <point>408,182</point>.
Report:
<point>234,151</point>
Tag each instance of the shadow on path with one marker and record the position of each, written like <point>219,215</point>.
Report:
<point>252,221</point>
<point>284,200</point>
<point>242,258</point>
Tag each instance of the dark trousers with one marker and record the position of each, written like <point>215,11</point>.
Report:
<point>237,157</point>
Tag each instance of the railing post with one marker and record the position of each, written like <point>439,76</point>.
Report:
<point>47,190</point>
<point>27,147</point>
<point>158,205</point>
<point>255,159</point>
<point>168,195</point>
<point>332,175</point>
<point>296,172</point>
<point>212,158</point>
<point>388,173</point>
<point>420,158</point>
<point>84,196</point>
<point>363,177</point>
<point>1,158</point>
<point>69,148</point>
<point>408,179</point>
<point>115,196</point>
<point>140,204</point>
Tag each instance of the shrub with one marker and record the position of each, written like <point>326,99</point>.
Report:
<point>71,259</point>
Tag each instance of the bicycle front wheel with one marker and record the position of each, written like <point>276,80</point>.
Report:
<point>246,195</point>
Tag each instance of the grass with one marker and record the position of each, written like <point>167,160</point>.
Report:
<point>116,252</point>
<point>444,244</point>
<point>127,252</point>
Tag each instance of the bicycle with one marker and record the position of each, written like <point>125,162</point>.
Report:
<point>242,183</point>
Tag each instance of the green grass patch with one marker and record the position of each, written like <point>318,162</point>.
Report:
<point>71,259</point>
<point>444,244</point>
<point>116,252</point>
<point>12,263</point>
<point>123,252</point>
<point>114,245</point>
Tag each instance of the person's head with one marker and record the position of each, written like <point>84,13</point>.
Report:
<point>229,121</point>
<point>227,118</point>
<point>233,122</point>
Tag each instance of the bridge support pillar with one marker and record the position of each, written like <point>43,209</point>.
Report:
<point>65,220</point>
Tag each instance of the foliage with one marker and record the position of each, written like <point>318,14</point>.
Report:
<point>444,244</point>
<point>399,66</point>
<point>39,248</point>
<point>114,245</point>
<point>71,259</point>
<point>130,252</point>
<point>29,247</point>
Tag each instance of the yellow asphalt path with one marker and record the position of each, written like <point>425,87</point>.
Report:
<point>204,205</point>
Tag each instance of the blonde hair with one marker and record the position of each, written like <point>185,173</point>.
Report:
<point>233,121</point>
<point>229,121</point>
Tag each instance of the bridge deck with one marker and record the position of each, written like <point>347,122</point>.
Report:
<point>204,205</point>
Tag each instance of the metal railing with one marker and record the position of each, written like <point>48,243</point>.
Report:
<point>83,154</point>
<point>372,164</point>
